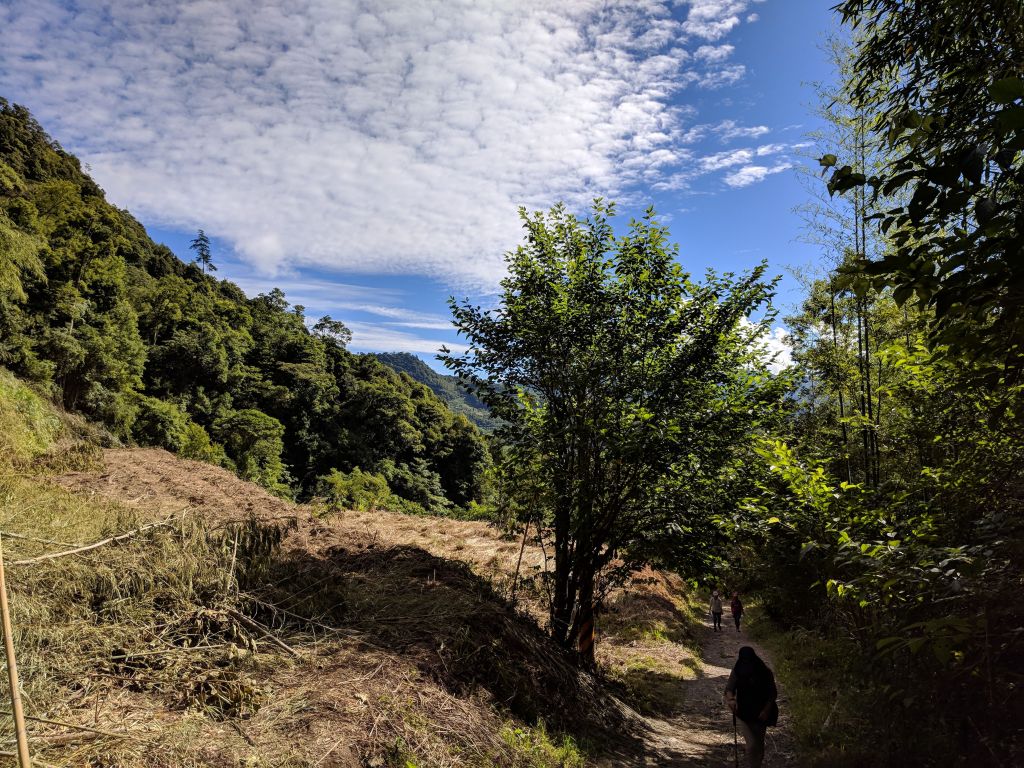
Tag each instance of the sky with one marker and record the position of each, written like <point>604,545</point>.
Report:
<point>369,158</point>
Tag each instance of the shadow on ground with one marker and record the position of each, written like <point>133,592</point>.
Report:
<point>448,622</point>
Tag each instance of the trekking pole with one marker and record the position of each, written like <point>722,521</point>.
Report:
<point>735,742</point>
<point>24,761</point>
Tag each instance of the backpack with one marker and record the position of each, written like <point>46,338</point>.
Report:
<point>752,693</point>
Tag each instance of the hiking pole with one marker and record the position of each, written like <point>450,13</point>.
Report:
<point>735,743</point>
<point>24,760</point>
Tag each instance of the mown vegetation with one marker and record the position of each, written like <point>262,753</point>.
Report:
<point>240,629</point>
<point>871,496</point>
<point>119,329</point>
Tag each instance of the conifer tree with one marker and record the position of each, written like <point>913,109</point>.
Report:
<point>201,245</point>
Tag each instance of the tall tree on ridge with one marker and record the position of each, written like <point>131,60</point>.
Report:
<point>201,245</point>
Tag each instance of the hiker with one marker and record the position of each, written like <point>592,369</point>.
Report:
<point>736,606</point>
<point>750,694</point>
<point>716,611</point>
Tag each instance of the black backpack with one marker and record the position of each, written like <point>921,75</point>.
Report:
<point>753,691</point>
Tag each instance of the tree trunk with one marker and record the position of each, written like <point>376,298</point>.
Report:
<point>562,599</point>
<point>584,623</point>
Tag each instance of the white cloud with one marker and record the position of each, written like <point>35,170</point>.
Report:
<point>726,75</point>
<point>773,346</point>
<point>391,137</point>
<point>751,18</point>
<point>720,160</point>
<point>715,53</point>
<point>370,337</point>
<point>728,130</point>
<point>713,19</point>
<point>777,348</point>
<point>751,174</point>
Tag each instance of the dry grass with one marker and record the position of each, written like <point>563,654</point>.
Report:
<point>648,643</point>
<point>403,647</point>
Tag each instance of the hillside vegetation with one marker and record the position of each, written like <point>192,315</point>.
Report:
<point>447,388</point>
<point>119,329</point>
<point>237,628</point>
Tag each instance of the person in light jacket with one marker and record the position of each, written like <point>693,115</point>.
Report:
<point>716,611</point>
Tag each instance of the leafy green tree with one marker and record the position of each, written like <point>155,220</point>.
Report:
<point>253,441</point>
<point>332,330</point>
<point>201,245</point>
<point>623,384</point>
<point>941,85</point>
<point>358,490</point>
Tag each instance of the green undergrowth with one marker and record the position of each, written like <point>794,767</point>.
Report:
<point>536,748</point>
<point>825,706</point>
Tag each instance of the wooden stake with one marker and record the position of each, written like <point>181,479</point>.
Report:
<point>24,759</point>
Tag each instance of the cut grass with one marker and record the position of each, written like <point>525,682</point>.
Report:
<point>143,637</point>
<point>653,649</point>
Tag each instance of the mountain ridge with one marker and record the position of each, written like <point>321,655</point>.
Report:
<point>446,387</point>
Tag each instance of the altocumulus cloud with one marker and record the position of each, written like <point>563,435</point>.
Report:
<point>377,137</point>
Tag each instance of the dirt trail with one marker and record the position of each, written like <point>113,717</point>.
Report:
<point>701,733</point>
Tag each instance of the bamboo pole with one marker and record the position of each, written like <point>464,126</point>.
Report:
<point>24,759</point>
<point>95,545</point>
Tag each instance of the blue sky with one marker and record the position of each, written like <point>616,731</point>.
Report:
<point>368,157</point>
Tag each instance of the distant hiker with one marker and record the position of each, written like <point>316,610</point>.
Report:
<point>750,694</point>
<point>716,611</point>
<point>736,606</point>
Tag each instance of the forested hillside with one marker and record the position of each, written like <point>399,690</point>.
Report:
<point>118,328</point>
<point>445,387</point>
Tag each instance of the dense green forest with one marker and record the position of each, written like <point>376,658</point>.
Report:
<point>883,527</point>
<point>445,387</point>
<point>118,328</point>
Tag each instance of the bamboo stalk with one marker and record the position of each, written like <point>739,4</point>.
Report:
<point>24,759</point>
<point>94,545</point>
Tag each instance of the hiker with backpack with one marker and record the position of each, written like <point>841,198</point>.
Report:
<point>716,611</point>
<point>750,694</point>
<point>736,606</point>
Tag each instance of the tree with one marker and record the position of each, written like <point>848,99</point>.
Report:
<point>201,245</point>
<point>333,331</point>
<point>943,86</point>
<point>624,385</point>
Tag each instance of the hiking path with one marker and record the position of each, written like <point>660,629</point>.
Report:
<point>701,733</point>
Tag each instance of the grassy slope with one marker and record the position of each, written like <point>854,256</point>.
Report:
<point>393,643</point>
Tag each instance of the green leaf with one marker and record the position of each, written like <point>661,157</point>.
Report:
<point>1011,118</point>
<point>1007,90</point>
<point>772,520</point>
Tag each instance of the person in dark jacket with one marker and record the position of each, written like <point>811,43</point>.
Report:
<point>736,606</point>
<point>750,694</point>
